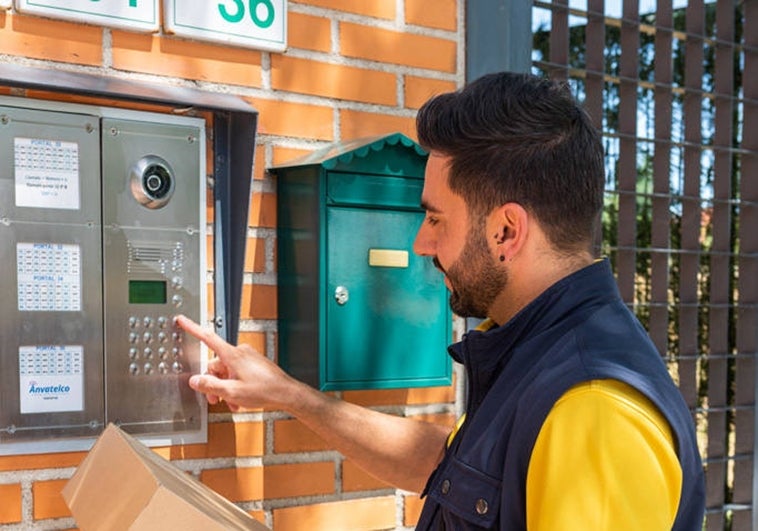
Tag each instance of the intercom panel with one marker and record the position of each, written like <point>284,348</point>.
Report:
<point>102,233</point>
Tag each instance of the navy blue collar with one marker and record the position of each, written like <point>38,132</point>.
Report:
<point>485,353</point>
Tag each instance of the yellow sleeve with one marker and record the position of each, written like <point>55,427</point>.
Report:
<point>604,460</point>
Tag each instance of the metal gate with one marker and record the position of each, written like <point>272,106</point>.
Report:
<point>674,88</point>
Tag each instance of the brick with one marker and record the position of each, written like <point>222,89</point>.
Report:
<point>309,32</point>
<point>412,505</point>
<point>342,82</point>
<point>444,15</point>
<point>294,119</point>
<point>380,397</point>
<point>235,484</point>
<point>39,461</point>
<point>259,163</point>
<point>357,124</point>
<point>283,155</point>
<point>257,340</point>
<point>369,8</point>
<point>387,46</point>
<point>48,502</point>
<point>301,479</point>
<point>255,255</point>
<point>258,302</point>
<point>355,478</point>
<point>366,513</point>
<point>291,435</point>
<point>165,56</point>
<point>10,508</point>
<point>262,210</point>
<point>419,89</point>
<point>431,395</point>
<point>412,396</point>
<point>225,439</point>
<point>51,40</point>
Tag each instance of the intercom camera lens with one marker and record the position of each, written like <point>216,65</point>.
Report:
<point>156,180</point>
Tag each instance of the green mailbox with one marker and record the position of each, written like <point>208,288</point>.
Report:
<point>357,308</point>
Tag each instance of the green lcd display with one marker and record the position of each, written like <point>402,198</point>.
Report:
<point>147,292</point>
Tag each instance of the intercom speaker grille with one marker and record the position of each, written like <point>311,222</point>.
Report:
<point>154,257</point>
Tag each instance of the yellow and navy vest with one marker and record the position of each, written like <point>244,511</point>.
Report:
<point>576,331</point>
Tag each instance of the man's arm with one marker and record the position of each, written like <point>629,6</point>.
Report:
<point>400,451</point>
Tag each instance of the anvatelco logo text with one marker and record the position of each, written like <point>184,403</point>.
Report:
<point>35,389</point>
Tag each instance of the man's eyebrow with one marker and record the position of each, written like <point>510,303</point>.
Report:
<point>426,205</point>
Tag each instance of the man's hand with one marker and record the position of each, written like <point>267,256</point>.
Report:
<point>238,375</point>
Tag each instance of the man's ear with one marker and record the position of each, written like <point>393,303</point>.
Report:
<point>509,223</point>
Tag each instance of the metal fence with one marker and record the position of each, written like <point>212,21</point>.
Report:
<point>674,88</point>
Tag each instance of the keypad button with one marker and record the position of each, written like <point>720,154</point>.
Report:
<point>133,322</point>
<point>162,337</point>
<point>176,367</point>
<point>148,368</point>
<point>147,337</point>
<point>148,353</point>
<point>162,368</point>
<point>133,353</point>
<point>133,337</point>
<point>148,322</point>
<point>162,321</point>
<point>162,353</point>
<point>133,369</point>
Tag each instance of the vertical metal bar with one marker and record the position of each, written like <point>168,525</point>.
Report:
<point>747,338</point>
<point>595,49</point>
<point>498,37</point>
<point>627,218</point>
<point>720,266</point>
<point>559,41</point>
<point>690,220</point>
<point>661,234</point>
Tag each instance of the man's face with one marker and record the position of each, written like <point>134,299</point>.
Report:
<point>458,246</point>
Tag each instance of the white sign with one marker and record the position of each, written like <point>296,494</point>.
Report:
<point>51,378</point>
<point>46,173</point>
<point>134,15</point>
<point>49,277</point>
<point>260,24</point>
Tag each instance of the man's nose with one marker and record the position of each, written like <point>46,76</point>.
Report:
<point>423,245</point>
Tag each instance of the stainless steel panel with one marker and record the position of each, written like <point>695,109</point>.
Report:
<point>157,245</point>
<point>51,333</point>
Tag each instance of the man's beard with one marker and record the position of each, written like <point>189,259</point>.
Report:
<point>475,280</point>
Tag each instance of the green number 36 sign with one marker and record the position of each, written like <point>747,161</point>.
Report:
<point>252,23</point>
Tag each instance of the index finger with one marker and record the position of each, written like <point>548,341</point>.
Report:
<point>213,340</point>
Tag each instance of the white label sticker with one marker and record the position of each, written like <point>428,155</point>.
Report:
<point>51,378</point>
<point>49,277</point>
<point>46,173</point>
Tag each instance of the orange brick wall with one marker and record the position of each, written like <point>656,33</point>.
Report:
<point>352,69</point>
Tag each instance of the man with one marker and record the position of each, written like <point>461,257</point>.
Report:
<point>572,420</point>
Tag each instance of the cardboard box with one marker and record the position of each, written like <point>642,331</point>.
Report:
<point>122,484</point>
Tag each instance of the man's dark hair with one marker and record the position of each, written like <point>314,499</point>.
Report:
<point>520,138</point>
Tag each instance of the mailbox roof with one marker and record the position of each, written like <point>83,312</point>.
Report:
<point>345,155</point>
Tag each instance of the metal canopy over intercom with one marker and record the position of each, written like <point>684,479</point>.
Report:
<point>234,129</point>
<point>103,232</point>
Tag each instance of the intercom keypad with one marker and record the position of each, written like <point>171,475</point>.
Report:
<point>155,346</point>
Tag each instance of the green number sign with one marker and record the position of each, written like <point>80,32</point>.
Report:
<point>251,23</point>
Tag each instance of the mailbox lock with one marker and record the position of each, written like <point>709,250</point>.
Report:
<point>341,295</point>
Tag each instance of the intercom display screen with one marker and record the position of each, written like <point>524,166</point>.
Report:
<point>147,292</point>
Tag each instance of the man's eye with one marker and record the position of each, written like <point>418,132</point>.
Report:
<point>431,220</point>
